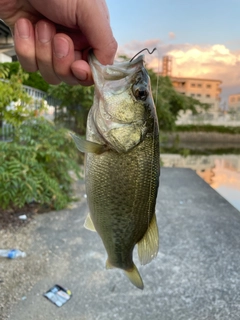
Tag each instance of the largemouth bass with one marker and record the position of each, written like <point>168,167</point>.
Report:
<point>122,164</point>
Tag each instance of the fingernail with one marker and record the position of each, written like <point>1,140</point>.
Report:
<point>82,76</point>
<point>23,28</point>
<point>60,47</point>
<point>43,33</point>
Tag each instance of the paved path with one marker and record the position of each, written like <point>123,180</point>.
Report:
<point>196,275</point>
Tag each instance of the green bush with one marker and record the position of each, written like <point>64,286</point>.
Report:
<point>35,166</point>
<point>207,128</point>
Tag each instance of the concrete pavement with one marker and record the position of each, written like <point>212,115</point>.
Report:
<point>196,274</point>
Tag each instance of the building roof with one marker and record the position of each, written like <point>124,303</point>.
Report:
<point>189,78</point>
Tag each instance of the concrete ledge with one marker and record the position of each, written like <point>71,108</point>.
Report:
<point>196,275</point>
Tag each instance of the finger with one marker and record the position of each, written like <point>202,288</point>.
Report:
<point>82,72</point>
<point>44,33</point>
<point>63,57</point>
<point>98,32</point>
<point>24,41</point>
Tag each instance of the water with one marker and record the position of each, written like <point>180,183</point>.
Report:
<point>222,173</point>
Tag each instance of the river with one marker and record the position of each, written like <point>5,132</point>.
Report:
<point>221,172</point>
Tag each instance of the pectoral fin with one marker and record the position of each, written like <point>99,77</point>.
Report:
<point>148,245</point>
<point>88,224</point>
<point>86,146</point>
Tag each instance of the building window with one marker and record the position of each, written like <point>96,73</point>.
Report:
<point>192,94</point>
<point>209,86</point>
<point>199,85</point>
<point>193,85</point>
<point>199,95</point>
<point>208,96</point>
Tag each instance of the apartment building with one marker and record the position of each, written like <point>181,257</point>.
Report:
<point>204,90</point>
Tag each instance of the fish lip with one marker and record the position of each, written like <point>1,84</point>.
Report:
<point>118,70</point>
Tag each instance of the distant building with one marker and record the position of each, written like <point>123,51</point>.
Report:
<point>204,90</point>
<point>234,102</point>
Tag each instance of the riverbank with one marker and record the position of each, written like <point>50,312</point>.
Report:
<point>221,172</point>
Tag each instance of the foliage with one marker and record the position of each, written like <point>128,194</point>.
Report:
<point>75,102</point>
<point>35,166</point>
<point>14,101</point>
<point>169,102</point>
<point>208,128</point>
<point>34,79</point>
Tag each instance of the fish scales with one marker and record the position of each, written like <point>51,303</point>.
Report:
<point>120,198</point>
<point>122,164</point>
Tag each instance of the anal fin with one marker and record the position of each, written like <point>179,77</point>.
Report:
<point>88,224</point>
<point>148,245</point>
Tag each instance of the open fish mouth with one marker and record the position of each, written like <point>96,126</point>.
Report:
<point>118,70</point>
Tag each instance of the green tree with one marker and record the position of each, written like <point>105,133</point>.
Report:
<point>34,79</point>
<point>74,104</point>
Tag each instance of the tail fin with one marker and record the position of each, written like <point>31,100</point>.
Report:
<point>134,276</point>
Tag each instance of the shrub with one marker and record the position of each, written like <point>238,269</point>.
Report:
<point>35,166</point>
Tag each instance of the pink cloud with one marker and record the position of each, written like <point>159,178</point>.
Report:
<point>188,60</point>
<point>171,35</point>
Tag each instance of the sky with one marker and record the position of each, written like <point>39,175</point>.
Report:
<point>202,37</point>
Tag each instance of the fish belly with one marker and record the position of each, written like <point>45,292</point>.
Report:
<point>121,191</point>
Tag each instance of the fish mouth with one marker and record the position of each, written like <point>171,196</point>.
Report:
<point>116,71</point>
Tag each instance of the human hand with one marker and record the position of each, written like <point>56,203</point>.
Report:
<point>54,36</point>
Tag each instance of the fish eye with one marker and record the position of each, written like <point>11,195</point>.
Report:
<point>140,93</point>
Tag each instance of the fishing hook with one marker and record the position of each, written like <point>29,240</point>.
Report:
<point>142,51</point>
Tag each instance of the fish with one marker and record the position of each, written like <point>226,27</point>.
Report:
<point>122,166</point>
